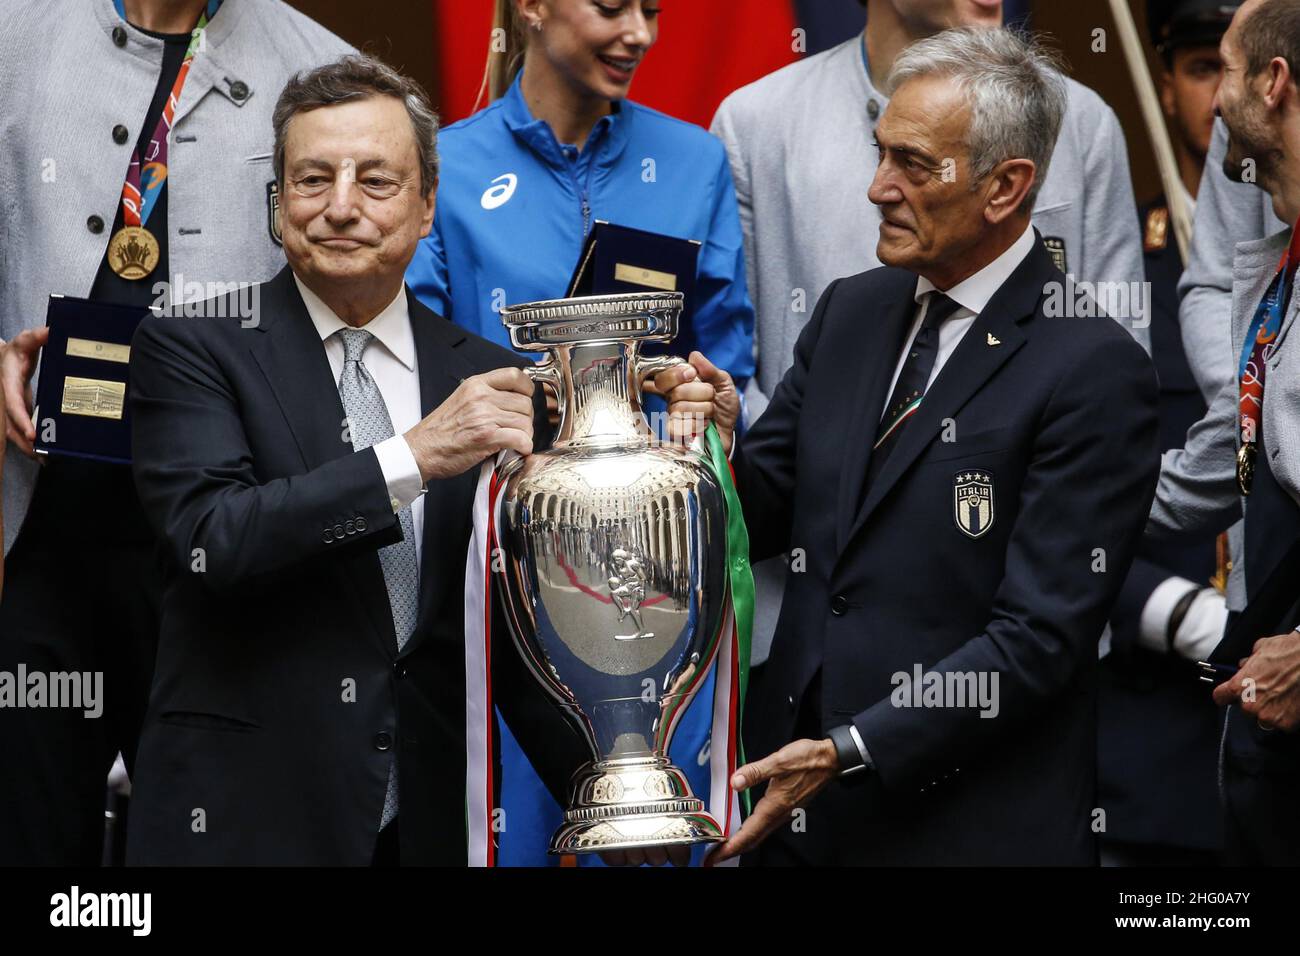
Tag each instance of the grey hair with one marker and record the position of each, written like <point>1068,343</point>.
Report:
<point>1015,89</point>
<point>356,77</point>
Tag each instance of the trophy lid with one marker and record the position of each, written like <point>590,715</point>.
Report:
<point>535,326</point>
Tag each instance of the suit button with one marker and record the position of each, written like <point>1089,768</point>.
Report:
<point>839,604</point>
<point>383,741</point>
<point>400,671</point>
<point>338,531</point>
<point>119,36</point>
<point>361,524</point>
<point>95,225</point>
<point>120,134</point>
<point>350,527</point>
<point>790,700</point>
<point>238,90</point>
<point>328,536</point>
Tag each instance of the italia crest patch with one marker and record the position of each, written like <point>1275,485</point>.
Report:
<point>972,502</point>
<point>273,211</point>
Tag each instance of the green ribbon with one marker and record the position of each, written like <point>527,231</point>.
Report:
<point>740,575</point>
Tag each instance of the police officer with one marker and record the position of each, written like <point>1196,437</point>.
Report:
<point>1157,726</point>
<point>132,120</point>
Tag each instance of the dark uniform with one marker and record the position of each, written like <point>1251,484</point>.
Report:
<point>1158,729</point>
<point>1157,726</point>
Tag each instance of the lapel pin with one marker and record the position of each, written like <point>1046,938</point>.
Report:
<point>994,340</point>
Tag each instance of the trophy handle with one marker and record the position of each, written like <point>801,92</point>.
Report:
<point>548,373</point>
<point>647,365</point>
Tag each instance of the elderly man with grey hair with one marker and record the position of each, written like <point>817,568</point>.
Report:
<point>964,455</point>
<point>310,474</point>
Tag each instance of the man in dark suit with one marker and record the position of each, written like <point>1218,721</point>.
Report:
<point>963,453</point>
<point>309,699</point>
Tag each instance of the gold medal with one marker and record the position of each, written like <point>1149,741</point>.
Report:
<point>1245,468</point>
<point>133,252</point>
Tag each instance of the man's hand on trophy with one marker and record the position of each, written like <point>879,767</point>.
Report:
<point>795,774</point>
<point>18,359</point>
<point>697,394</point>
<point>654,855</point>
<point>486,413</point>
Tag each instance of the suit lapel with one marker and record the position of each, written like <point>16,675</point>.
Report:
<point>1253,268</point>
<point>869,401</point>
<point>293,359</point>
<point>441,368</point>
<point>990,341</point>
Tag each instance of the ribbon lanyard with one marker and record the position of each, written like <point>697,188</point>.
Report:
<point>144,182</point>
<point>1256,351</point>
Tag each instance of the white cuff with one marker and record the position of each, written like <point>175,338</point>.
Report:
<point>1203,626</point>
<point>401,473</point>
<point>862,748</point>
<point>1153,623</point>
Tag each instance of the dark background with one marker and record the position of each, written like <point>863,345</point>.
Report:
<point>402,32</point>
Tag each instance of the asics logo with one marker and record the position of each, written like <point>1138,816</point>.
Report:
<point>499,193</point>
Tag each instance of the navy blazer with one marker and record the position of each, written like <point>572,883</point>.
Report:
<point>279,695</point>
<point>1059,414</point>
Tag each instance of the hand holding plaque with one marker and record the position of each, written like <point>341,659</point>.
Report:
<point>81,396</point>
<point>17,365</point>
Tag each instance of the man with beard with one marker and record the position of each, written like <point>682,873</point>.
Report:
<point>1241,455</point>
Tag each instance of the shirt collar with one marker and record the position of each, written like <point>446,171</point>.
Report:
<point>868,88</point>
<point>391,327</point>
<point>975,292</point>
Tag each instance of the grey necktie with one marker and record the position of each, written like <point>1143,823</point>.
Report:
<point>369,423</point>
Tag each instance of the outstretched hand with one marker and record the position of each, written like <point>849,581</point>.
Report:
<point>795,774</point>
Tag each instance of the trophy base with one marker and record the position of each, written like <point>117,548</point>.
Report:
<point>625,805</point>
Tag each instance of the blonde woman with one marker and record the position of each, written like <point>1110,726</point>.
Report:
<point>521,184</point>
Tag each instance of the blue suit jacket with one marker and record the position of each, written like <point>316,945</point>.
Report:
<point>1060,417</point>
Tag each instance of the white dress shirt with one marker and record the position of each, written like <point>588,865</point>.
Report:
<point>972,295</point>
<point>390,359</point>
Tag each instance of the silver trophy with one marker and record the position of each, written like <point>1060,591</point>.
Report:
<point>614,577</point>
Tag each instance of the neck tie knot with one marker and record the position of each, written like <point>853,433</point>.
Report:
<point>354,343</point>
<point>941,309</point>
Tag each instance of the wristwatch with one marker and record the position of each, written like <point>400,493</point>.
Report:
<point>847,750</point>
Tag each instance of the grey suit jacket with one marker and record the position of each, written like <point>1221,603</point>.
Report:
<point>66,85</point>
<point>1198,482</point>
<point>1227,213</point>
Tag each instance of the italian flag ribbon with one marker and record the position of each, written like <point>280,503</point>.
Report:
<point>732,675</point>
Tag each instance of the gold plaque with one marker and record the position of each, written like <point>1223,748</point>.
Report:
<point>93,397</point>
<point>646,277</point>
<point>133,252</point>
<point>106,351</point>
